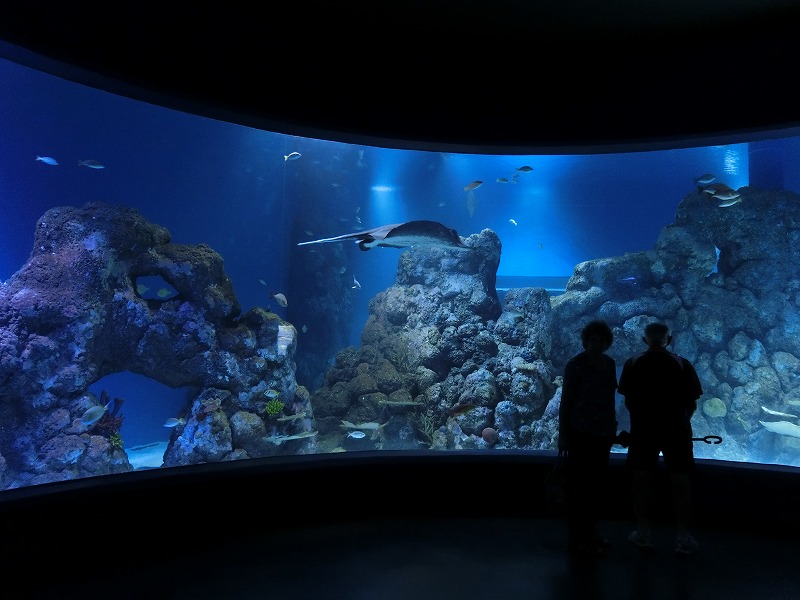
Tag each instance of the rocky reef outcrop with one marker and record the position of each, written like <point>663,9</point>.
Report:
<point>727,280</point>
<point>77,311</point>
<point>439,366</point>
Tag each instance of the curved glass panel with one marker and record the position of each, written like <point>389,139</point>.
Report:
<point>178,290</point>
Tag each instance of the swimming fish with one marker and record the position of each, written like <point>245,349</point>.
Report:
<point>462,409</point>
<point>173,422</point>
<point>778,413</point>
<point>525,169</point>
<point>713,188</point>
<point>356,285</point>
<point>782,427</point>
<point>730,202</point>
<point>358,435</point>
<point>292,156</point>
<point>141,288</point>
<point>502,180</point>
<point>280,299</point>
<point>272,393</point>
<point>369,426</point>
<point>95,413</point>
<point>47,160</point>
<point>512,221</point>
<point>163,292</point>
<point>726,194</point>
<point>304,328</point>
<point>402,235</point>
<point>279,439</point>
<point>473,185</point>
<point>92,164</point>
<point>705,179</point>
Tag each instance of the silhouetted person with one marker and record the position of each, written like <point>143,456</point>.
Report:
<point>587,427</point>
<point>661,390</point>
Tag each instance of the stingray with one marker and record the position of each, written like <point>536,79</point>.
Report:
<point>402,235</point>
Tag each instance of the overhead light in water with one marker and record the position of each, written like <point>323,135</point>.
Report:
<point>382,188</point>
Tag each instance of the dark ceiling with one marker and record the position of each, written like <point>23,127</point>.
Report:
<point>493,75</point>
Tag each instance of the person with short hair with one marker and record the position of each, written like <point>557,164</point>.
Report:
<point>661,390</point>
<point>587,428</point>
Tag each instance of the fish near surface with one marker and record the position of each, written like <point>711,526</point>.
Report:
<point>48,160</point>
<point>402,235</point>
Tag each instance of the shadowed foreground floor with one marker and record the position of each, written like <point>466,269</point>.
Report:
<point>352,538</point>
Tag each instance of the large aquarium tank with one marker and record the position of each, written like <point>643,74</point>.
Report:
<point>177,290</point>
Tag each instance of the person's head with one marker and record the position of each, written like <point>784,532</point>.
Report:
<point>656,335</point>
<point>597,336</point>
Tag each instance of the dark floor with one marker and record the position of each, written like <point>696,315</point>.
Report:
<point>504,559</point>
<point>240,538</point>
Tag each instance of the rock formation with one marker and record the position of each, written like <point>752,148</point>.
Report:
<point>436,369</point>
<point>75,312</point>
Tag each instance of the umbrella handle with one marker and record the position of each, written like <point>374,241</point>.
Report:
<point>709,439</point>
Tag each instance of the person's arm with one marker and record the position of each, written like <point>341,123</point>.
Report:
<point>623,388</point>
<point>693,387</point>
<point>566,405</point>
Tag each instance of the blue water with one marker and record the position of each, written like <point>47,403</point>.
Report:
<point>230,187</point>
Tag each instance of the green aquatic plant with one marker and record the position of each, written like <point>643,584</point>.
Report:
<point>427,425</point>
<point>274,407</point>
<point>115,439</point>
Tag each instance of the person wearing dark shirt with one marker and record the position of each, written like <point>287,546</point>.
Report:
<point>661,390</point>
<point>587,428</point>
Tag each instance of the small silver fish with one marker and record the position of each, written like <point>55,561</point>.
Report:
<point>92,164</point>
<point>525,169</point>
<point>357,435</point>
<point>304,328</point>
<point>272,393</point>
<point>473,185</point>
<point>280,299</point>
<point>726,195</point>
<point>730,202</point>
<point>94,414</point>
<point>173,422</point>
<point>705,179</point>
<point>512,221</point>
<point>292,156</point>
<point>356,285</point>
<point>502,180</point>
<point>48,160</point>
